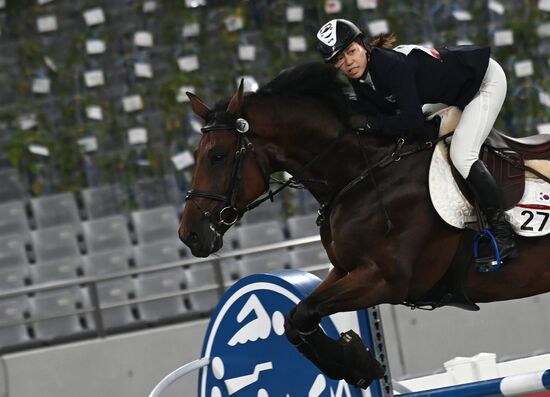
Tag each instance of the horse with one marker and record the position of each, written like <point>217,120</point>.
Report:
<point>383,237</point>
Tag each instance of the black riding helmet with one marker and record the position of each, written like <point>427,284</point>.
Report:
<point>334,36</point>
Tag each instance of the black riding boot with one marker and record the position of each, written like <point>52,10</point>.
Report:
<point>489,197</point>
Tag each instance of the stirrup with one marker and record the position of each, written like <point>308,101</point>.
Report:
<point>484,265</point>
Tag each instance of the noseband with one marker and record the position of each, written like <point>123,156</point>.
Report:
<point>228,215</point>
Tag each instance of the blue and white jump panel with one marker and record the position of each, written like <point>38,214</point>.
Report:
<point>516,385</point>
<point>248,350</point>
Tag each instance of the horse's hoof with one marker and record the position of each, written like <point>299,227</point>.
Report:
<point>361,366</point>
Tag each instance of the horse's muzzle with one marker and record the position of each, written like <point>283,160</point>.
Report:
<point>201,243</point>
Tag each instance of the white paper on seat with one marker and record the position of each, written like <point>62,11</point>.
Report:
<point>132,103</point>
<point>94,78</point>
<point>46,23</point>
<point>137,135</point>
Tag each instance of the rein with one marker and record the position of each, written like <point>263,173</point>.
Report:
<point>396,155</point>
<point>229,214</point>
<point>292,182</point>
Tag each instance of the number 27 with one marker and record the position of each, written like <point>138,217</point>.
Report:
<point>530,216</point>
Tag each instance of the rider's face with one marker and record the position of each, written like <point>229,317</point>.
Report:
<point>352,61</point>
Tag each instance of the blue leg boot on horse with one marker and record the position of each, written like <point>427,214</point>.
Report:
<point>489,197</point>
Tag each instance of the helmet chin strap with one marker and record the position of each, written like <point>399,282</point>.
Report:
<point>364,75</point>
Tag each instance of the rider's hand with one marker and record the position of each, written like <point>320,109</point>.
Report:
<point>358,121</point>
<point>361,123</point>
<point>367,128</point>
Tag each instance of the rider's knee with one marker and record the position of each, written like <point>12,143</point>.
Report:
<point>462,161</point>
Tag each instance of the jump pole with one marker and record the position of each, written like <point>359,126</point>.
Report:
<point>516,385</point>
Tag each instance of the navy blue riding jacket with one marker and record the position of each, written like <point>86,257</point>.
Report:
<point>400,84</point>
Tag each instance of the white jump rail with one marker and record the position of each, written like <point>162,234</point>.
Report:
<point>516,385</point>
<point>177,374</point>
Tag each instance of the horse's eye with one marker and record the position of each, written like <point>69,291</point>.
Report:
<point>218,157</point>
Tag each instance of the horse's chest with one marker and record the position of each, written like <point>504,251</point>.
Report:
<point>343,258</point>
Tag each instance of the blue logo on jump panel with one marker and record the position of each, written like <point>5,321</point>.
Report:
<point>250,355</point>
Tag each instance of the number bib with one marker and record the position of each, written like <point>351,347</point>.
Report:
<point>531,216</point>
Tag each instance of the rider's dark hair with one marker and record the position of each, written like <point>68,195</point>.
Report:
<point>382,41</point>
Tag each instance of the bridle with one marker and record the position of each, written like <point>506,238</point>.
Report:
<point>229,214</point>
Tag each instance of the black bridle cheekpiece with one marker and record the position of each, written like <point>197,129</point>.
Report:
<point>229,214</point>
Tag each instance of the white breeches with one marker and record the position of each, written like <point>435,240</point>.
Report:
<point>478,118</point>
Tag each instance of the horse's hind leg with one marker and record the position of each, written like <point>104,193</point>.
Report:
<point>346,358</point>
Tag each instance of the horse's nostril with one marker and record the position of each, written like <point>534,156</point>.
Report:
<point>193,236</point>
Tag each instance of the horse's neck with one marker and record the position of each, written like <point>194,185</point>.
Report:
<point>312,145</point>
<point>325,163</point>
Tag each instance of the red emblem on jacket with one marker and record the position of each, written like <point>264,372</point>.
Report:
<point>435,53</point>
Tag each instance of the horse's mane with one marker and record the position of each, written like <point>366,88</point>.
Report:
<point>314,80</point>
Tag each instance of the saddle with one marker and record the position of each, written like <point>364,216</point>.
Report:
<point>510,160</point>
<point>520,166</point>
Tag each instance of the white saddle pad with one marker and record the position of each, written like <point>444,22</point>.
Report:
<point>530,217</point>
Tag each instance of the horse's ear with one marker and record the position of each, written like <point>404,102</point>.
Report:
<point>236,102</point>
<point>197,105</point>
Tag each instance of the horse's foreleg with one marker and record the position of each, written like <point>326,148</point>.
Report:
<point>292,332</point>
<point>346,358</point>
<point>364,287</point>
<point>333,276</point>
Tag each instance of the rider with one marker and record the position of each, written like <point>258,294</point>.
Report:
<point>398,81</point>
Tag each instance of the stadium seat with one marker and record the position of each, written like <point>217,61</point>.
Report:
<point>12,251</point>
<point>173,191</point>
<point>56,209</point>
<point>12,310</point>
<point>264,262</point>
<point>260,234</point>
<point>150,285</point>
<point>106,234</point>
<point>150,193</point>
<point>157,253</point>
<point>57,270</point>
<point>114,292</point>
<point>230,269</point>
<point>13,277</point>
<point>55,243</point>
<point>13,220</point>
<point>267,211</point>
<point>11,187</point>
<point>156,224</point>
<point>230,240</point>
<point>102,201</point>
<point>302,226</point>
<point>308,255</point>
<point>304,203</point>
<point>104,263</point>
<point>198,276</point>
<point>56,303</point>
